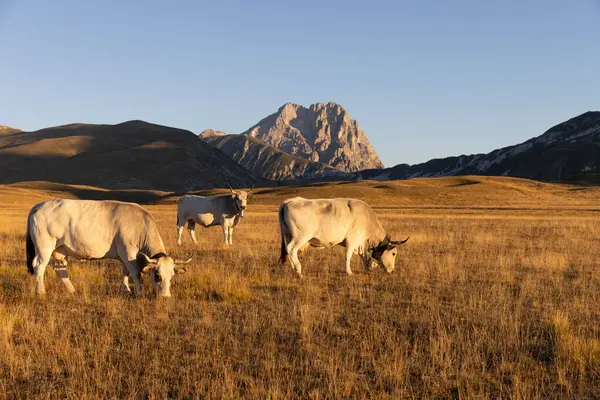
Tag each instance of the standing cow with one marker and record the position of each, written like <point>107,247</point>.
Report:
<point>88,230</point>
<point>323,223</point>
<point>225,210</point>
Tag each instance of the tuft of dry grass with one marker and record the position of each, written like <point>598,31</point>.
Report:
<point>487,301</point>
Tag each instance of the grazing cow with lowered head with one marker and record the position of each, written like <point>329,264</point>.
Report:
<point>89,230</point>
<point>323,223</point>
<point>225,210</point>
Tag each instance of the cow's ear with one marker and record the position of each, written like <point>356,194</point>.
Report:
<point>180,270</point>
<point>144,260</point>
<point>385,241</point>
<point>148,268</point>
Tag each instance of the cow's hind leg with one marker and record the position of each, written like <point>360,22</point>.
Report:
<point>293,248</point>
<point>60,267</point>
<point>179,234</point>
<point>192,230</point>
<point>43,255</point>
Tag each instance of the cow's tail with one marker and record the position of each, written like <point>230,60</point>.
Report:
<point>283,227</point>
<point>30,250</point>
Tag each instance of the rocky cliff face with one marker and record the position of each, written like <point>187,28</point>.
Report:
<point>567,151</point>
<point>267,161</point>
<point>321,133</point>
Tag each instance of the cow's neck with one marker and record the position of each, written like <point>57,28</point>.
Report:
<point>153,245</point>
<point>234,206</point>
<point>227,204</point>
<point>377,236</point>
<point>373,242</point>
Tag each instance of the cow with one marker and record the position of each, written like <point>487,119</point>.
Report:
<point>92,229</point>
<point>325,223</point>
<point>225,210</point>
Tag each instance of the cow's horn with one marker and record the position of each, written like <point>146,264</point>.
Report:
<point>147,259</point>
<point>399,242</point>
<point>178,262</point>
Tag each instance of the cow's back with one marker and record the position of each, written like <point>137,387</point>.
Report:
<point>327,219</point>
<point>204,210</point>
<point>87,227</point>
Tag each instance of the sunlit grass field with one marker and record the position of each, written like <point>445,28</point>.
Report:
<point>495,295</point>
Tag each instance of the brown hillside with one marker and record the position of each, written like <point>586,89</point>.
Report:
<point>131,155</point>
<point>7,130</point>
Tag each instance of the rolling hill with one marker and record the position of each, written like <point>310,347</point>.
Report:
<point>130,155</point>
<point>8,130</point>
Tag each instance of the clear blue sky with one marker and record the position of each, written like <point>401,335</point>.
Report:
<point>423,78</point>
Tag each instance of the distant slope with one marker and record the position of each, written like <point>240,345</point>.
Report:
<point>455,192</point>
<point>131,155</point>
<point>264,160</point>
<point>567,151</point>
<point>7,130</point>
<point>321,133</point>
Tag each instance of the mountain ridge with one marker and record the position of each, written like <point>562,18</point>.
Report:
<point>265,160</point>
<point>566,151</point>
<point>130,155</point>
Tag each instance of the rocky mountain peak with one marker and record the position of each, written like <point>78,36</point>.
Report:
<point>209,133</point>
<point>322,133</point>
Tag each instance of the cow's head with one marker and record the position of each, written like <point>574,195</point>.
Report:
<point>384,254</point>
<point>161,270</point>
<point>240,199</point>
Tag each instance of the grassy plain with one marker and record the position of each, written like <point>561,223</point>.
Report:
<point>495,295</point>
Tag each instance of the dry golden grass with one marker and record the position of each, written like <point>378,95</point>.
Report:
<point>494,296</point>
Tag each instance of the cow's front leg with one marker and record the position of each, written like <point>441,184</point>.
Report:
<point>125,283</point>
<point>230,230</point>
<point>349,252</point>
<point>134,271</point>
<point>225,232</point>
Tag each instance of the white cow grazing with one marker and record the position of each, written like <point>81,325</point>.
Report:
<point>86,230</point>
<point>323,223</point>
<point>225,210</point>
